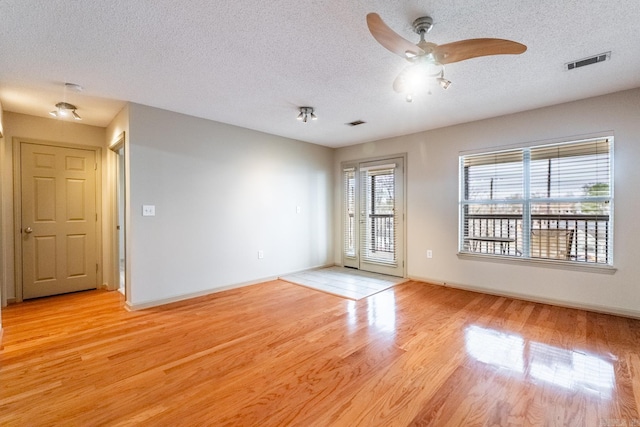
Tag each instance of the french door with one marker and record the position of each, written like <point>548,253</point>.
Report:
<point>373,216</point>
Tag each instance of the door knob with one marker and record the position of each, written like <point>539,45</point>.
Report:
<point>28,230</point>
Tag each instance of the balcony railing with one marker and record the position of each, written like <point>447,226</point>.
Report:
<point>382,237</point>
<point>582,238</point>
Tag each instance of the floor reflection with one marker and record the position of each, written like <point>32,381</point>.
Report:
<point>381,312</point>
<point>495,348</point>
<point>569,369</point>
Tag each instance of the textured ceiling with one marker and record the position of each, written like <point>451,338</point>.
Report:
<point>252,64</point>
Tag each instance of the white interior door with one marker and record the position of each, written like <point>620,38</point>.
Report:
<point>373,216</point>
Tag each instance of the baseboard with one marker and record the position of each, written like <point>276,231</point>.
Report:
<point>634,314</point>
<point>307,269</point>
<point>156,303</point>
<point>178,298</point>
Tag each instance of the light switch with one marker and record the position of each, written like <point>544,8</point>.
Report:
<point>148,210</point>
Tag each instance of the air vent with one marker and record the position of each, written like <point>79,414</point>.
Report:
<point>356,123</point>
<point>588,61</point>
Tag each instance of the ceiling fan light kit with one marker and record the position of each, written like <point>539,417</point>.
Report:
<point>64,109</point>
<point>427,60</point>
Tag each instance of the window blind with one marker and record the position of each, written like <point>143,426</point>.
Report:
<point>551,201</point>
<point>378,234</point>
<point>349,191</point>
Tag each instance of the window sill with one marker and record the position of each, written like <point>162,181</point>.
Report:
<point>545,263</point>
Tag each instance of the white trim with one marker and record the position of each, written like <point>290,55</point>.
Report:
<point>634,314</point>
<point>319,267</point>
<point>115,146</point>
<point>542,142</point>
<point>156,303</point>
<point>541,262</point>
<point>377,167</point>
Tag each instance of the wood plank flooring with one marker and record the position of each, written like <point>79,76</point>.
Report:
<point>278,354</point>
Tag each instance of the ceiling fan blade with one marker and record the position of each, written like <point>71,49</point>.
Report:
<point>473,48</point>
<point>389,38</point>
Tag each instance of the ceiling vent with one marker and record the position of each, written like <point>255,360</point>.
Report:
<point>356,123</point>
<point>588,61</point>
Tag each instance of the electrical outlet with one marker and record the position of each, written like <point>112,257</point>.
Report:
<point>298,209</point>
<point>429,253</point>
<point>260,254</point>
<point>148,210</point>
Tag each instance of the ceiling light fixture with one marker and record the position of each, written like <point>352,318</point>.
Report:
<point>420,77</point>
<point>306,113</point>
<point>444,83</point>
<point>73,87</point>
<point>64,109</point>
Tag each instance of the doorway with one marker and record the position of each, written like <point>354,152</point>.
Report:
<point>373,216</point>
<point>120,187</point>
<point>56,203</point>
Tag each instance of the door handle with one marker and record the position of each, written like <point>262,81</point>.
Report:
<point>28,230</point>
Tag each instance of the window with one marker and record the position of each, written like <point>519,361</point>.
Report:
<point>349,203</point>
<point>551,202</point>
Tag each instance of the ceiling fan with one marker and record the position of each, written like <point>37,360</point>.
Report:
<point>428,59</point>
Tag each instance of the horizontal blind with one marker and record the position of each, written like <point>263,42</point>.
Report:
<point>491,177</point>
<point>552,201</point>
<point>349,190</point>
<point>571,201</point>
<point>571,171</point>
<point>378,233</point>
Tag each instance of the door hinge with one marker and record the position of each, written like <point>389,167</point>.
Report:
<point>96,216</point>
<point>95,166</point>
<point>97,267</point>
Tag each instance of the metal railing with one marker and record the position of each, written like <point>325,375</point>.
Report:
<point>381,237</point>
<point>574,237</point>
<point>382,233</point>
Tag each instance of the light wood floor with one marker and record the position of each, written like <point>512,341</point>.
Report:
<point>281,354</point>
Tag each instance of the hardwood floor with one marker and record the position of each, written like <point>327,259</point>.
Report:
<point>280,354</point>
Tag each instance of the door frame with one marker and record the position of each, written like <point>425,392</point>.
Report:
<point>355,164</point>
<point>17,206</point>
<point>119,143</point>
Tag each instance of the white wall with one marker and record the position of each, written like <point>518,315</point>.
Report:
<point>221,193</point>
<point>2,220</point>
<point>432,202</point>
<point>36,128</point>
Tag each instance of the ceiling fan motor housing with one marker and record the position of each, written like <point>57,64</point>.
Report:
<point>423,24</point>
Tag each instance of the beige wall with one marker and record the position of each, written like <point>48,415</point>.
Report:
<point>2,220</point>
<point>432,202</point>
<point>221,194</point>
<point>35,128</point>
